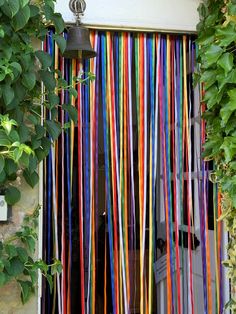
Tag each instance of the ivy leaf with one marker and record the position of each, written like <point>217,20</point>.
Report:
<point>11,250</point>
<point>228,109</point>
<point>229,147</point>
<point>29,80</point>
<point>61,42</point>
<point>226,61</point>
<point>53,128</point>
<point>53,99</point>
<point>58,23</point>
<point>211,96</point>
<point>226,35</point>
<point>31,178</point>
<point>44,58</point>
<point>10,167</point>
<point>22,253</point>
<point>34,10</point>
<point>56,267</point>
<point>15,267</point>
<point>24,133</point>
<point>2,177</point>
<point>17,153</point>
<point>26,290</point>
<point>33,163</point>
<point>48,79</point>
<point>73,92</point>
<point>8,94</point>
<point>72,112</point>
<point>10,7</point>
<point>2,163</point>
<point>30,242</point>
<point>4,140</point>
<point>208,78</point>
<point>50,282</point>
<point>21,18</point>
<point>12,195</point>
<point>2,278</point>
<point>231,9</point>
<point>23,2</point>
<point>212,54</point>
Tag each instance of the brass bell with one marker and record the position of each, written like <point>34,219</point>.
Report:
<point>78,44</point>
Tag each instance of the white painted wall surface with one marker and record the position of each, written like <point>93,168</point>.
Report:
<point>177,15</point>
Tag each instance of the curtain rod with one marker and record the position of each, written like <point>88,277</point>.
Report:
<point>134,29</point>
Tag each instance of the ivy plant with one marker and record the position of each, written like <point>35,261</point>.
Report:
<point>25,139</point>
<point>217,60</point>
<point>26,135</point>
<point>16,262</point>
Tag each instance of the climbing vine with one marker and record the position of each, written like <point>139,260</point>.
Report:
<point>26,135</point>
<point>17,263</point>
<point>217,59</point>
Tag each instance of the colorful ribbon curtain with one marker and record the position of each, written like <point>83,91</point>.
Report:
<point>101,199</point>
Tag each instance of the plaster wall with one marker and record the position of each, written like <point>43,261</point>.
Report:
<point>169,15</point>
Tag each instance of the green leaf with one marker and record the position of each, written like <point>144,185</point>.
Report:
<point>211,96</point>
<point>229,147</point>
<point>19,91</point>
<point>4,139</point>
<point>226,61</point>
<point>72,111</point>
<point>48,79</point>
<point>10,7</point>
<point>12,195</point>
<point>33,163</point>
<point>2,163</point>
<point>61,42</point>
<point>8,94</point>
<point>23,133</point>
<point>30,242</point>
<point>21,18</point>
<point>34,10</point>
<point>2,177</point>
<point>2,278</point>
<point>29,80</point>
<point>10,167</point>
<point>44,58</point>
<point>208,78</point>
<point>23,254</point>
<point>2,33</point>
<point>11,250</point>
<point>31,178</point>
<point>24,160</point>
<point>53,128</point>
<point>17,153</point>
<point>50,282</point>
<point>53,99</point>
<point>56,267</point>
<point>58,23</point>
<point>73,92</point>
<point>226,34</point>
<point>26,61</point>
<point>229,108</point>
<point>26,290</point>
<point>15,267</point>
<point>231,9</point>
<point>212,54</point>
<point>23,2</point>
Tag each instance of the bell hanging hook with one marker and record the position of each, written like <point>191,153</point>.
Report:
<point>77,7</point>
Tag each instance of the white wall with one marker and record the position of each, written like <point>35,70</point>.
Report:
<point>178,15</point>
